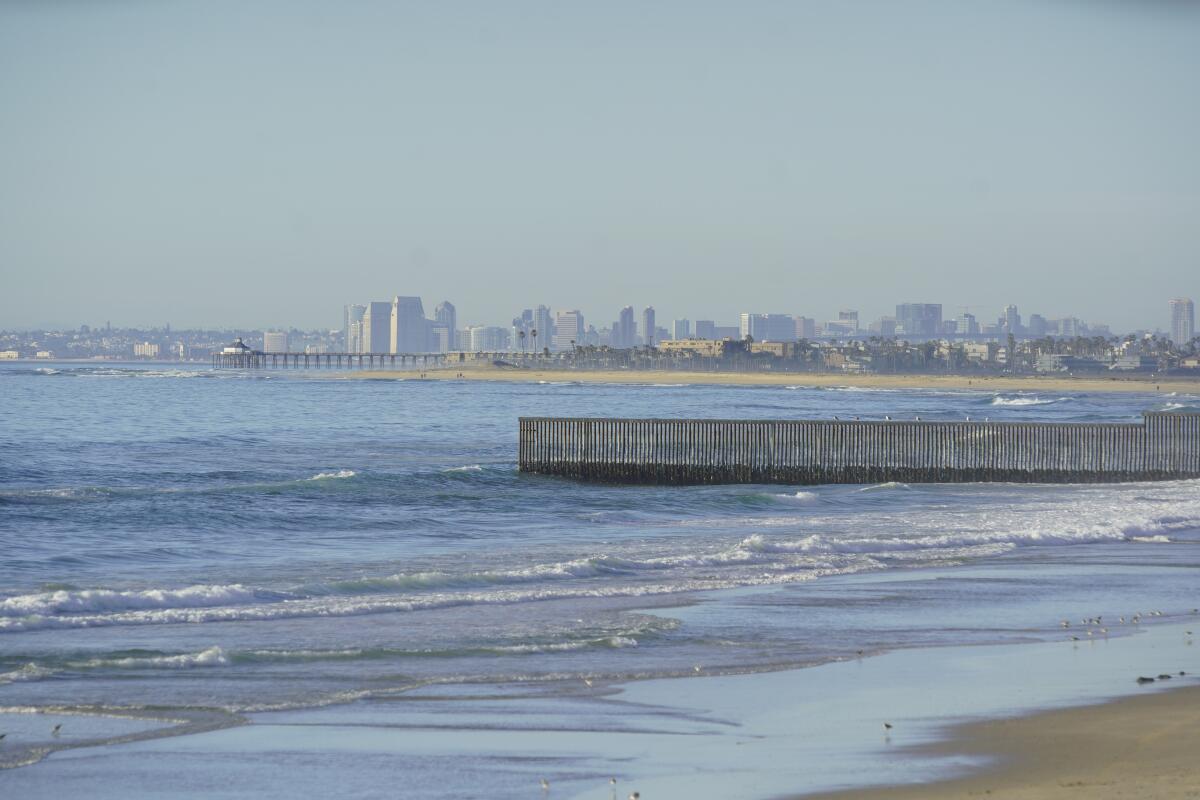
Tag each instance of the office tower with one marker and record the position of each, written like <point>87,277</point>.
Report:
<point>681,329</point>
<point>648,326</point>
<point>706,329</point>
<point>806,328</point>
<point>968,325</point>
<point>919,319</point>
<point>849,319</point>
<point>445,315</point>
<point>543,323</point>
<point>624,332</point>
<point>1037,326</point>
<point>884,327</point>
<point>409,328</point>
<point>1183,320</point>
<point>377,328</point>
<point>568,329</point>
<point>352,313</point>
<point>1012,321</point>
<point>487,339</point>
<point>275,342</point>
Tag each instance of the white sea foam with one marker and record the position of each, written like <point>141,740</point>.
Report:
<point>465,468</point>
<point>800,497</point>
<point>101,600</point>
<point>1017,402</point>
<point>325,476</point>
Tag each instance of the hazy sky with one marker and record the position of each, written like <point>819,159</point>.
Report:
<point>262,163</point>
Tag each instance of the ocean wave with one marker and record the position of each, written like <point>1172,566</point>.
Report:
<point>1022,401</point>
<point>799,497</point>
<point>465,468</point>
<point>324,476</point>
<point>105,600</point>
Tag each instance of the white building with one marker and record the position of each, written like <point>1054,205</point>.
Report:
<point>275,342</point>
<point>568,329</point>
<point>145,350</point>
<point>1183,320</point>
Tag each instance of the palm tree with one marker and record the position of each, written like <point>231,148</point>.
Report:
<point>521,336</point>
<point>533,333</point>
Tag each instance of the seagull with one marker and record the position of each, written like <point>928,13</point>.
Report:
<point>587,682</point>
<point>635,795</point>
<point>56,730</point>
<point>2,735</point>
<point>1065,623</point>
<point>612,781</point>
<point>545,785</point>
<point>696,669</point>
<point>887,726</point>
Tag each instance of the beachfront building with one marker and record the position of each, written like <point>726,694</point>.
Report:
<point>145,350</point>
<point>376,328</point>
<point>275,341</point>
<point>1183,320</point>
<point>352,317</point>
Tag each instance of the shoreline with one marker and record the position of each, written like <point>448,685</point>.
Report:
<point>1132,746</point>
<point>1030,383</point>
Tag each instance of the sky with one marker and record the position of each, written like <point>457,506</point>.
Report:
<point>261,164</point>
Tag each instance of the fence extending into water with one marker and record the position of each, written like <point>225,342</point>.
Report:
<point>1164,446</point>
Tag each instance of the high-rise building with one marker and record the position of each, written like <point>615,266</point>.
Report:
<point>768,327</point>
<point>706,329</point>
<point>409,332</point>
<point>1037,326</point>
<point>1183,320</point>
<point>568,329</point>
<point>806,328</point>
<point>849,319</point>
<point>445,315</point>
<point>543,323</point>
<point>1012,321</point>
<point>919,319</point>
<point>352,313</point>
<point>487,339</point>
<point>275,341</point>
<point>681,329</point>
<point>649,329</point>
<point>377,328</point>
<point>624,330</point>
<point>968,325</point>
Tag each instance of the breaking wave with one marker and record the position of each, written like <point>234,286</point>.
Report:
<point>1021,401</point>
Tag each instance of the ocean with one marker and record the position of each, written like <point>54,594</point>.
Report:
<point>187,544</point>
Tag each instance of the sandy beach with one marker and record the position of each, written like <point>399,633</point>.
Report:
<point>1142,746</point>
<point>805,379</point>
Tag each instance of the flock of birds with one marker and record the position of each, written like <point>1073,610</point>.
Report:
<point>611,782</point>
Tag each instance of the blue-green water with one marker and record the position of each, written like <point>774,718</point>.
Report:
<point>188,539</point>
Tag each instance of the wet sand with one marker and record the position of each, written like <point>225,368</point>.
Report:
<point>1029,383</point>
<point>1142,746</point>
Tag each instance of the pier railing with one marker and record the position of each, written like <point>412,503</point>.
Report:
<point>1164,446</point>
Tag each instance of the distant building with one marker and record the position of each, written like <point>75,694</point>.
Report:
<point>649,328</point>
<point>440,338</point>
<point>624,330</point>
<point>1183,320</point>
<point>768,327</point>
<point>806,328</point>
<point>445,315</point>
<point>1037,326</point>
<point>681,329</point>
<point>487,339</point>
<point>376,328</point>
<point>968,325</point>
<point>9,355</point>
<point>1012,321</point>
<point>884,327</point>
<point>146,350</point>
<point>568,329</point>
<point>543,323</point>
<point>849,319</point>
<point>706,329</point>
<point>275,342</point>
<point>409,330</point>
<point>919,319</point>
<point>699,347</point>
<point>725,332</point>
<point>352,317</point>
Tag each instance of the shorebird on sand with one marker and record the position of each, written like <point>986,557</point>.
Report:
<point>545,785</point>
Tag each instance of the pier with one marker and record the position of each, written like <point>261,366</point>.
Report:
<point>1163,446</point>
<point>258,359</point>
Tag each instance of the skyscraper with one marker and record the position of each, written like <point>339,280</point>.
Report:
<point>409,329</point>
<point>376,328</point>
<point>648,326</point>
<point>543,323</point>
<point>352,313</point>
<point>919,319</point>
<point>444,314</point>
<point>568,329</point>
<point>849,318</point>
<point>1012,321</point>
<point>681,329</point>
<point>624,332</point>
<point>1183,320</point>
<point>706,329</point>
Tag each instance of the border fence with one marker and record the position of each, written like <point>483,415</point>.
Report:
<point>1164,446</point>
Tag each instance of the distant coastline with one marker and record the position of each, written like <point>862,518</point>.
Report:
<point>1015,383</point>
